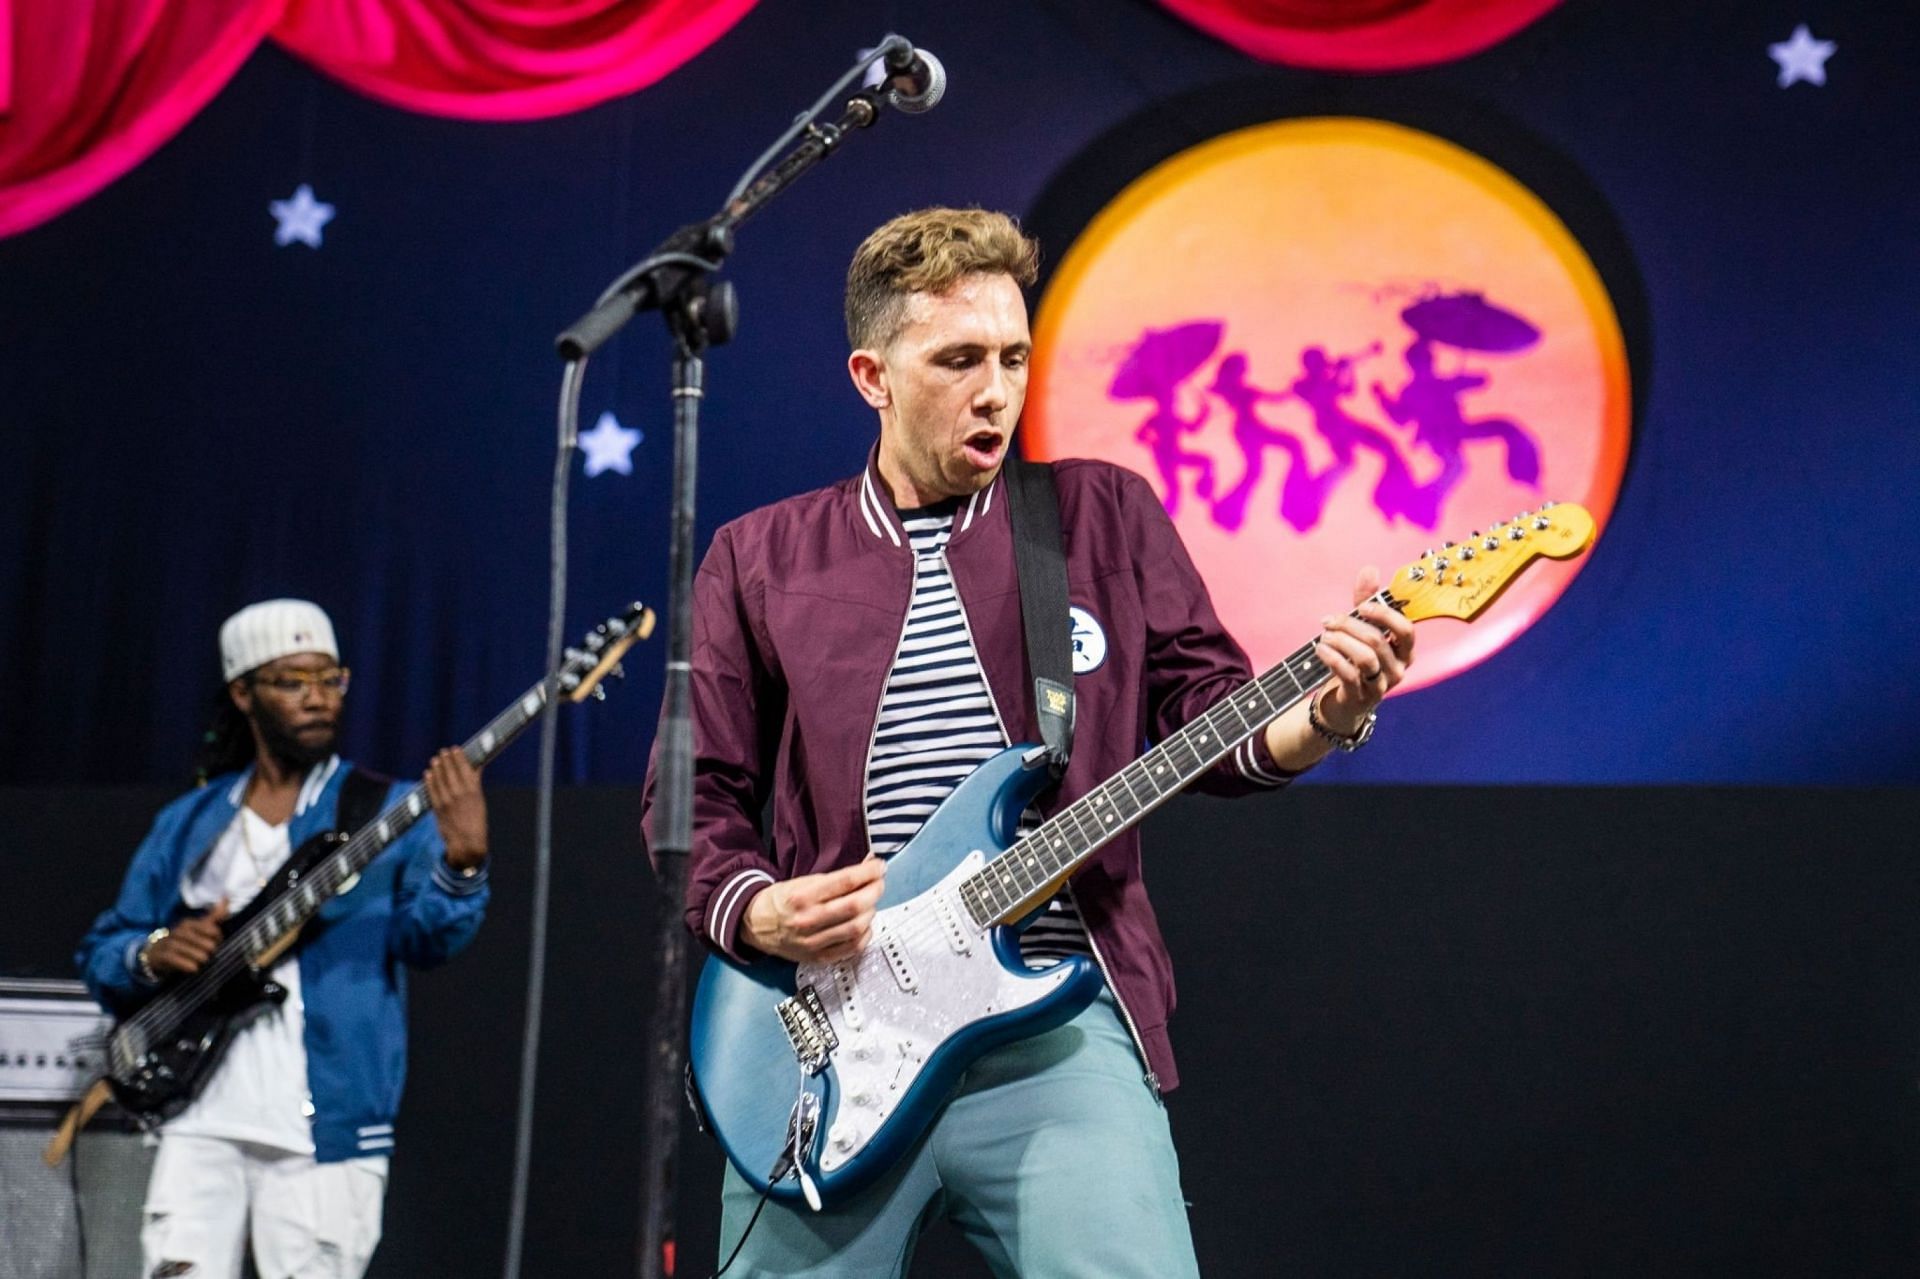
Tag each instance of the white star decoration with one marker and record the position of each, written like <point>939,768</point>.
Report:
<point>300,218</point>
<point>609,446</point>
<point>1802,57</point>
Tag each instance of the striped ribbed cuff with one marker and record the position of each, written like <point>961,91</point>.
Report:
<point>728,907</point>
<point>454,883</point>
<point>1257,765</point>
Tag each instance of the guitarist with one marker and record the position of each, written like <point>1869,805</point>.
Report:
<point>858,649</point>
<point>288,1140</point>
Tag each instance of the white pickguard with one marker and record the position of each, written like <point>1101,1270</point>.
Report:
<point>926,973</point>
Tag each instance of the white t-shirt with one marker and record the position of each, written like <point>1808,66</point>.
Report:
<point>258,1092</point>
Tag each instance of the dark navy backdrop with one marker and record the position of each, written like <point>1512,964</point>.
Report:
<point>192,417</point>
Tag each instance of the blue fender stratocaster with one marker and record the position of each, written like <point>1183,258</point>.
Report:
<point>816,1077</point>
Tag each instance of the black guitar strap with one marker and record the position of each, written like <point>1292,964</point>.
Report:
<point>1040,559</point>
<point>362,795</point>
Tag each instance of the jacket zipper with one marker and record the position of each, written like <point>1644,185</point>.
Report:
<point>1152,1078</point>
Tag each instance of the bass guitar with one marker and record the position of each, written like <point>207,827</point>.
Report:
<point>816,1077</point>
<point>158,1059</point>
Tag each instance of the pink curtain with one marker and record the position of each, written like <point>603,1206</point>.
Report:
<point>1360,35</point>
<point>501,59</point>
<point>90,88</point>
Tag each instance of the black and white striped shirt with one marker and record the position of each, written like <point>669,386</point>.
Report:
<point>937,725</point>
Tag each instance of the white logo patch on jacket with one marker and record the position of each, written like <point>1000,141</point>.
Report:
<point>1089,641</point>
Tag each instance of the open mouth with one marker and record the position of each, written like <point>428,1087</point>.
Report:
<point>982,449</point>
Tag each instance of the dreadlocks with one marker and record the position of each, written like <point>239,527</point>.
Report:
<point>227,744</point>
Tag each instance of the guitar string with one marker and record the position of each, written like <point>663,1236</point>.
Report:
<point>1078,816</point>
<point>232,956</point>
<point>183,997</point>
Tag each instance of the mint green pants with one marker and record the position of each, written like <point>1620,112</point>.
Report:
<point>1053,1158</point>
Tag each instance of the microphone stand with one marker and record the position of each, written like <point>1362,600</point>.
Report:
<point>676,279</point>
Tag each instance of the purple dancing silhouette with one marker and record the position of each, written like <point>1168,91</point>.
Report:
<point>1302,494</point>
<point>1432,403</point>
<point>1154,369</point>
<point>1322,384</point>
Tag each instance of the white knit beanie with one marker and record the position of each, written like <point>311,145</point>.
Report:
<point>261,632</point>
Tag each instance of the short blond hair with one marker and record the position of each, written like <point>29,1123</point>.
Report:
<point>929,251</point>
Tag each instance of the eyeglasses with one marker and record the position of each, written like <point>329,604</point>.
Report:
<point>331,681</point>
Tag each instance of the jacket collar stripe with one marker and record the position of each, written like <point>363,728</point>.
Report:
<point>876,513</point>
<point>317,778</point>
<point>316,782</point>
<point>982,500</point>
<point>881,518</point>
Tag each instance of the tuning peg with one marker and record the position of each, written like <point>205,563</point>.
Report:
<point>599,693</point>
<point>1542,523</point>
<point>618,671</point>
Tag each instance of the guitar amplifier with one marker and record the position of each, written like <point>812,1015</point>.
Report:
<point>83,1218</point>
<point>52,1040</point>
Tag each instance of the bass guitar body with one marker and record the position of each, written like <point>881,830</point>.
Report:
<point>160,1065</point>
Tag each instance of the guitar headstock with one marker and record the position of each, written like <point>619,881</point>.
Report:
<point>1460,580</point>
<point>583,669</point>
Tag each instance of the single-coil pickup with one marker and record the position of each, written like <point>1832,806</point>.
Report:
<point>809,1032</point>
<point>847,982</point>
<point>957,935</point>
<point>895,951</point>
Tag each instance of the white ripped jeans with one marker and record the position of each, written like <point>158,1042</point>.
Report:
<point>307,1220</point>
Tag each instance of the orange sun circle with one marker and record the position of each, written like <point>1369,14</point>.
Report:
<point>1334,342</point>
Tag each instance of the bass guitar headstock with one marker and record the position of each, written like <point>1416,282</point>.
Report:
<point>1459,580</point>
<point>584,670</point>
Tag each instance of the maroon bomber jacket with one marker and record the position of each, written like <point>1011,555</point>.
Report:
<point>798,612</point>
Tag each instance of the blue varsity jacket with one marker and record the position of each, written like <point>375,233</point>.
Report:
<point>408,909</point>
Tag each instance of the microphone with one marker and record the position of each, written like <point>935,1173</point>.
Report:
<point>913,79</point>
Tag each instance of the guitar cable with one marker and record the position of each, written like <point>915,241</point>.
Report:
<point>568,431</point>
<point>742,1241</point>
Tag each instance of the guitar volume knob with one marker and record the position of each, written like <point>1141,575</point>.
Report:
<point>843,1135</point>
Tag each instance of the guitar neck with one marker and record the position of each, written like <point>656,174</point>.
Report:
<point>335,873</point>
<point>274,920</point>
<point>1031,870</point>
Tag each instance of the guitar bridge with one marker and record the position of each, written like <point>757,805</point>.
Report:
<point>809,1032</point>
